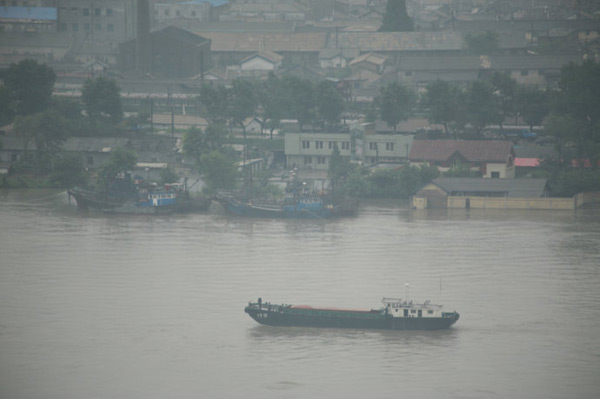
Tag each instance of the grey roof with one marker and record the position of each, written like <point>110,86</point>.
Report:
<point>399,41</point>
<point>514,188</point>
<point>93,144</point>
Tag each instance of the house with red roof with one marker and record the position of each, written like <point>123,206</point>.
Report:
<point>491,158</point>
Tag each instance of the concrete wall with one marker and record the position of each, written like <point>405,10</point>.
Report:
<point>511,203</point>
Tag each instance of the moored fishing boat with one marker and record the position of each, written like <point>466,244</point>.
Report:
<point>396,314</point>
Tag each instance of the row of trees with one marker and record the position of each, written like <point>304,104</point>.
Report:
<point>274,99</point>
<point>44,121</point>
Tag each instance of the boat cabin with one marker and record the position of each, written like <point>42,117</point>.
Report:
<point>396,307</point>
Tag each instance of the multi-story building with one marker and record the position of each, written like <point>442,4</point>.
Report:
<point>98,20</point>
<point>313,150</point>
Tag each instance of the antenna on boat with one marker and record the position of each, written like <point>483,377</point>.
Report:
<point>407,286</point>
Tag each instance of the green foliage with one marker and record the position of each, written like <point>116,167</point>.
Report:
<point>46,131</point>
<point>482,43</point>
<point>242,101</point>
<point>482,107</point>
<point>68,171</point>
<point>445,104</point>
<point>330,103</point>
<point>399,183</point>
<point>569,182</point>
<point>168,175</point>
<point>197,142</point>
<point>462,170</point>
<point>30,85</point>
<point>120,160</point>
<point>219,171</point>
<point>102,99</point>
<point>395,103</point>
<point>299,99</point>
<point>215,101</point>
<point>505,91</point>
<point>395,18</point>
<point>531,104</point>
<point>7,108</point>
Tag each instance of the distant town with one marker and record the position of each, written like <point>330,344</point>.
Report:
<point>448,103</point>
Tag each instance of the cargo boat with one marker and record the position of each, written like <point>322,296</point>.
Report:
<point>395,314</point>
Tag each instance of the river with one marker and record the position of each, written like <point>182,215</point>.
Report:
<point>102,306</point>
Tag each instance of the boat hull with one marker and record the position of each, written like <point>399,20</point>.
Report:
<point>281,315</point>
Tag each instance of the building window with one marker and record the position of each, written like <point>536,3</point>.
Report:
<point>430,312</point>
<point>166,12</point>
<point>86,12</point>
<point>97,12</point>
<point>495,175</point>
<point>307,160</point>
<point>331,145</point>
<point>75,27</point>
<point>389,146</point>
<point>109,12</point>
<point>90,160</point>
<point>408,73</point>
<point>193,13</point>
<point>524,72</point>
<point>86,27</point>
<point>110,27</point>
<point>373,146</point>
<point>98,27</point>
<point>345,145</point>
<point>319,144</point>
<point>63,27</point>
<point>14,157</point>
<point>305,144</point>
<point>321,160</point>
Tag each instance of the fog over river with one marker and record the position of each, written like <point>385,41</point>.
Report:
<point>128,307</point>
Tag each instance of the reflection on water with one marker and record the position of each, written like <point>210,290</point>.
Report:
<point>101,306</point>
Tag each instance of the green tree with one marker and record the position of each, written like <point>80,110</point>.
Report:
<point>242,102</point>
<point>30,85</point>
<point>395,103</point>
<point>395,17</point>
<point>505,91</point>
<point>339,167</point>
<point>7,111</point>
<point>485,43</point>
<point>215,101</point>
<point>444,104</point>
<point>120,160</point>
<point>218,170</point>
<point>102,99</point>
<point>68,171</point>
<point>330,103</point>
<point>197,142</point>
<point>482,107</point>
<point>532,105</point>
<point>299,99</point>
<point>272,100</point>
<point>46,130</point>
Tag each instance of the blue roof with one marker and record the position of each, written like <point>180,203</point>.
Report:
<point>214,3</point>
<point>45,13</point>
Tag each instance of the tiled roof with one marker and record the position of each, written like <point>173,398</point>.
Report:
<point>92,144</point>
<point>472,150</point>
<point>254,42</point>
<point>515,188</point>
<point>400,41</point>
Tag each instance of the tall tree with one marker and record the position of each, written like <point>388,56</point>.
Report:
<point>120,160</point>
<point>218,170</point>
<point>505,91</point>
<point>482,106</point>
<point>215,101</point>
<point>102,99</point>
<point>46,130</point>
<point>395,18</point>
<point>243,102</point>
<point>395,103</point>
<point>330,103</point>
<point>300,99</point>
<point>441,102</point>
<point>272,100</point>
<point>30,85</point>
<point>532,105</point>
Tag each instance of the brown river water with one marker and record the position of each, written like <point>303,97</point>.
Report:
<point>127,307</point>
